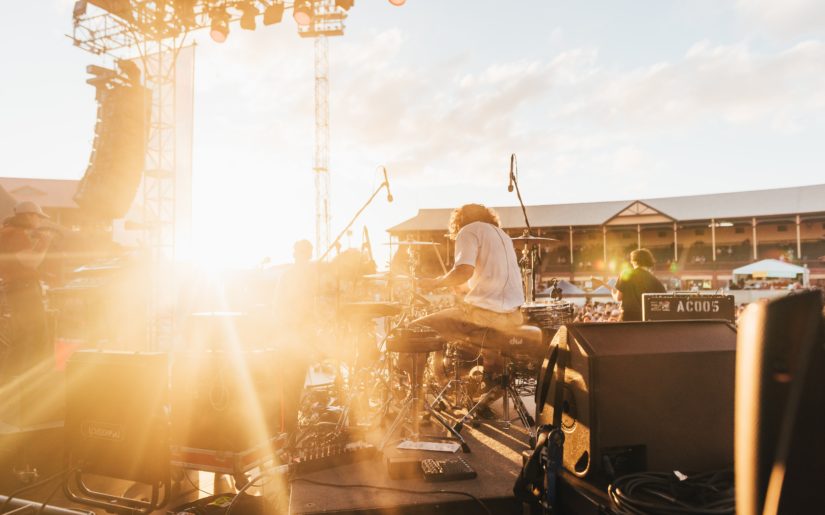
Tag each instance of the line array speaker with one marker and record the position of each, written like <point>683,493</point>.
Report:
<point>116,163</point>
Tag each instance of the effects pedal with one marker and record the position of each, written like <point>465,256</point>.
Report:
<point>452,469</point>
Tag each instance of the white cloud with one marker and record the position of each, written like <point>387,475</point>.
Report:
<point>463,123</point>
<point>785,17</point>
<point>581,125</point>
<point>728,83</point>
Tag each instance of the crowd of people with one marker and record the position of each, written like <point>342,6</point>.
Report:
<point>597,311</point>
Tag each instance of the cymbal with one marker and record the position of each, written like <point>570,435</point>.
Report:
<point>371,309</point>
<point>529,237</point>
<point>383,276</point>
<point>410,242</point>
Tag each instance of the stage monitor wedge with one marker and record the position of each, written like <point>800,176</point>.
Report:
<point>780,406</point>
<point>642,396</point>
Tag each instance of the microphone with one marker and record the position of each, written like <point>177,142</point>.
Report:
<point>387,184</point>
<point>512,161</point>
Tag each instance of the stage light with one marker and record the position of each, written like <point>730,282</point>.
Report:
<point>302,12</point>
<point>397,3</point>
<point>79,9</point>
<point>274,13</point>
<point>248,16</point>
<point>185,11</point>
<point>220,27</point>
<point>344,4</point>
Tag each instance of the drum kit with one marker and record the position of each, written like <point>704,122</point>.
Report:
<point>397,370</point>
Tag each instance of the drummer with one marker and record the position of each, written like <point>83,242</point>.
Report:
<point>486,261</point>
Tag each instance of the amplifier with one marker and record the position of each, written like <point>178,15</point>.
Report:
<point>116,422</point>
<point>229,401</point>
<point>688,306</point>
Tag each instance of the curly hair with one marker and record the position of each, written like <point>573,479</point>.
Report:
<point>470,213</point>
<point>642,257</point>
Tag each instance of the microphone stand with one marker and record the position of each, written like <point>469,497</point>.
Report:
<point>336,243</point>
<point>533,258</point>
<point>514,178</point>
<point>354,218</point>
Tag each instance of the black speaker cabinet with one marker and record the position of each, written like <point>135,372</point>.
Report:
<point>116,414</point>
<point>229,401</point>
<point>644,396</point>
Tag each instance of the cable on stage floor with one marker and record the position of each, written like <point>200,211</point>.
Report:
<point>667,493</point>
<point>394,489</point>
<point>29,487</point>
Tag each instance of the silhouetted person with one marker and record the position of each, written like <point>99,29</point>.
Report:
<point>632,284</point>
<point>23,246</point>
<point>295,312</point>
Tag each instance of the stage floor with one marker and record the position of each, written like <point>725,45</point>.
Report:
<point>495,456</point>
<point>365,487</point>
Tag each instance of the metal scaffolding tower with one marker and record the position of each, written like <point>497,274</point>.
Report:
<point>157,33</point>
<point>328,20</point>
<point>159,199</point>
<point>321,168</point>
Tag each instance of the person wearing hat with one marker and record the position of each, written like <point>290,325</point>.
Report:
<point>23,248</point>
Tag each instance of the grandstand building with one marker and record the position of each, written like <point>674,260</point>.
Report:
<point>697,240</point>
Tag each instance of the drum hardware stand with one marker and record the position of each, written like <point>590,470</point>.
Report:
<point>506,388</point>
<point>340,427</point>
<point>529,263</point>
<point>412,406</point>
<point>458,386</point>
<point>529,258</point>
<point>352,396</point>
<point>343,421</point>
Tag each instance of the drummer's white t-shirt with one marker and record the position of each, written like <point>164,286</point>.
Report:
<point>496,281</point>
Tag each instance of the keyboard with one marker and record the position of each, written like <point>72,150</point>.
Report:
<point>452,469</point>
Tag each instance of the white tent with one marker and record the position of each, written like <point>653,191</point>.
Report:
<point>603,290</point>
<point>771,269</point>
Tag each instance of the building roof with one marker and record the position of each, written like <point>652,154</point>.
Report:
<point>7,203</point>
<point>47,193</point>
<point>720,206</point>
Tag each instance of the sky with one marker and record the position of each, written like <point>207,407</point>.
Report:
<point>599,100</point>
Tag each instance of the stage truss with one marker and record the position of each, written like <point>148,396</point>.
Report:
<point>154,31</point>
